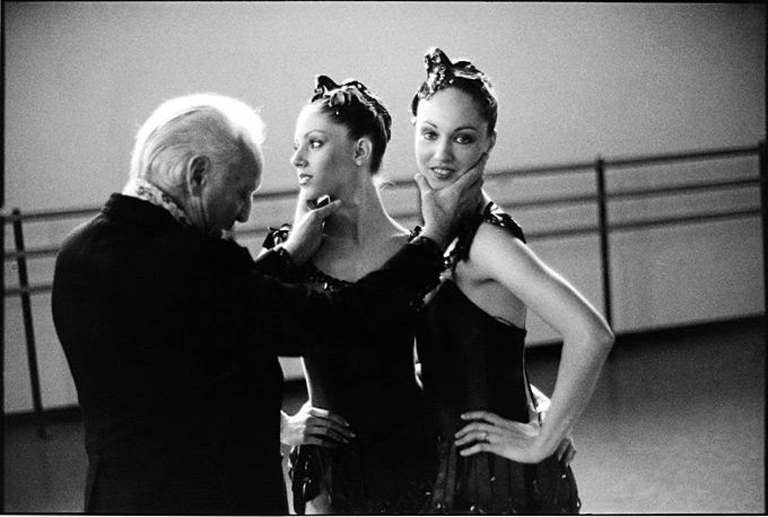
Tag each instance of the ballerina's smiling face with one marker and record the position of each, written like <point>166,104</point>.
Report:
<point>450,136</point>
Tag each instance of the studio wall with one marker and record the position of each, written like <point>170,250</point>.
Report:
<point>574,80</point>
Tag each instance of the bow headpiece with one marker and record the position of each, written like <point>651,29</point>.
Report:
<point>342,95</point>
<point>441,73</point>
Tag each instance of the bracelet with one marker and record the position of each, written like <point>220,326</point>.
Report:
<point>421,240</point>
<point>284,256</point>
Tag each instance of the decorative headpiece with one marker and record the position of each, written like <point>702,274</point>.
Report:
<point>441,73</point>
<point>340,95</point>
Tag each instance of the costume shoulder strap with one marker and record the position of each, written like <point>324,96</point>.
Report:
<point>491,214</point>
<point>494,215</point>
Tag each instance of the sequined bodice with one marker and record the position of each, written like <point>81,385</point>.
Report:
<point>362,381</point>
<point>470,360</point>
<point>369,380</point>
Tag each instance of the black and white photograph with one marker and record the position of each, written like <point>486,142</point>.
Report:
<point>384,258</point>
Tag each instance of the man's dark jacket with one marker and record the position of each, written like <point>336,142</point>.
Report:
<point>172,339</point>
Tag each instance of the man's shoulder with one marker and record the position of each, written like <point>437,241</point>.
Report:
<point>121,240</point>
<point>82,235</point>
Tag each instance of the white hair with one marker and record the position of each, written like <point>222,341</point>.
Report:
<point>205,123</point>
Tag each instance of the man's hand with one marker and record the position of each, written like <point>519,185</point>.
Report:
<point>443,209</point>
<point>307,232</point>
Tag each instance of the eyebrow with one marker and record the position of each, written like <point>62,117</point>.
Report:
<point>305,135</point>
<point>462,128</point>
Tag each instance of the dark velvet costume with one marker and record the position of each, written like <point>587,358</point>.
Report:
<point>472,361</point>
<point>390,465</point>
<point>172,338</point>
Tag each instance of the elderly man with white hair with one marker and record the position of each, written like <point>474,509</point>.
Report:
<point>172,332</point>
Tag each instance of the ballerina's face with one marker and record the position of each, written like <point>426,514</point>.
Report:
<point>323,154</point>
<point>450,135</point>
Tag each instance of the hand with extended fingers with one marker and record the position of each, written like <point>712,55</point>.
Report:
<point>311,425</point>
<point>444,208</point>
<point>307,232</point>
<point>517,441</point>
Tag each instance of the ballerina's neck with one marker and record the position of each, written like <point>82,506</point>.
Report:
<point>361,219</point>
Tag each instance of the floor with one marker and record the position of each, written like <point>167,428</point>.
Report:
<point>676,425</point>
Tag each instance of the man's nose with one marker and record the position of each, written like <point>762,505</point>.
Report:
<point>245,212</point>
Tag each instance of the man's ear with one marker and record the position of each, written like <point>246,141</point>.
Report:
<point>198,169</point>
<point>363,150</point>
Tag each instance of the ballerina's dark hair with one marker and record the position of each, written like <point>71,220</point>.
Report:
<point>353,105</point>
<point>442,73</point>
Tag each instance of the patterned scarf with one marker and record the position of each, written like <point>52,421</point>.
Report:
<point>141,188</point>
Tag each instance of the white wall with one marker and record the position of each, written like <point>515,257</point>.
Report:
<point>574,81</point>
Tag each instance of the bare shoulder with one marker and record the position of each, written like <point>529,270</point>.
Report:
<point>498,256</point>
<point>493,243</point>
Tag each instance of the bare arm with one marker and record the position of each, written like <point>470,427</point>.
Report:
<point>417,366</point>
<point>541,401</point>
